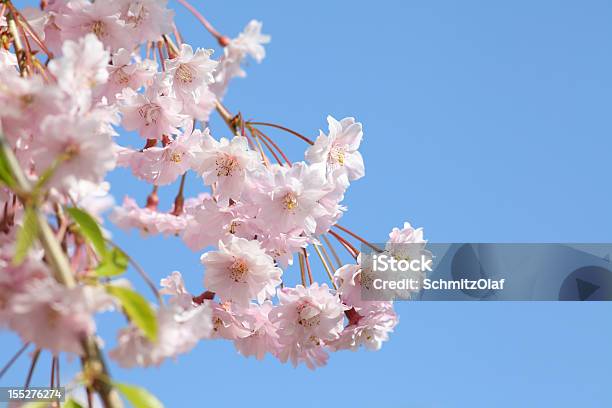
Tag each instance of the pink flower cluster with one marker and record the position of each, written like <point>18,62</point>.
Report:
<point>114,66</point>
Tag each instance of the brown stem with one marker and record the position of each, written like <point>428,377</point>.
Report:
<point>307,261</point>
<point>264,136</point>
<point>9,364</point>
<point>53,361</point>
<point>19,52</point>
<point>293,132</point>
<point>223,40</point>
<point>179,200</point>
<point>32,367</point>
<point>153,199</point>
<point>362,240</point>
<point>302,275</point>
<point>33,35</point>
<point>347,245</point>
<point>326,262</point>
<point>207,295</point>
<point>162,59</point>
<point>333,251</point>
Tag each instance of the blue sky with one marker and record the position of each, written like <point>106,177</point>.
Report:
<point>484,121</point>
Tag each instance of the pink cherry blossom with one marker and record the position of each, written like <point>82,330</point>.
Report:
<point>152,114</point>
<point>26,102</point>
<point>174,286</point>
<point>241,271</point>
<point>163,165</point>
<point>406,243</point>
<point>291,202</point>
<point>249,42</point>
<point>101,18</point>
<point>225,323</point>
<point>190,70</point>
<point>370,331</point>
<point>339,148</point>
<point>227,163</point>
<point>307,319</point>
<point>263,337</point>
<point>130,215</point>
<point>126,73</point>
<point>282,246</point>
<point>149,19</point>
<point>15,279</point>
<point>179,330</point>
<point>55,317</point>
<point>82,68</point>
<point>353,279</point>
<point>209,223</point>
<point>76,147</point>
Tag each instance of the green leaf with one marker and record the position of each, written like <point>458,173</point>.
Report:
<point>138,396</point>
<point>71,404</point>
<point>137,308</point>
<point>90,229</point>
<point>5,173</point>
<point>115,263</point>
<point>26,235</point>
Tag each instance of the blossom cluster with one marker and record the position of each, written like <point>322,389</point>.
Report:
<point>119,74</point>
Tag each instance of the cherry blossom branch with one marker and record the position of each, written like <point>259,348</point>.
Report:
<point>33,34</point>
<point>223,40</point>
<point>63,274</point>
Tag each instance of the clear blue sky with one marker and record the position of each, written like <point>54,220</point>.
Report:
<point>484,121</point>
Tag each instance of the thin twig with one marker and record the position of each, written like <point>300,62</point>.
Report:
<point>53,362</point>
<point>347,245</point>
<point>325,265</point>
<point>140,271</point>
<point>333,251</point>
<point>223,41</point>
<point>270,149</point>
<point>57,372</point>
<point>307,261</point>
<point>303,276</point>
<point>9,364</point>
<point>362,240</point>
<point>293,132</point>
<point>179,200</point>
<point>32,367</point>
<point>259,132</point>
